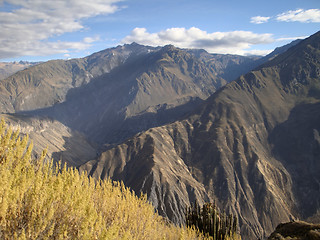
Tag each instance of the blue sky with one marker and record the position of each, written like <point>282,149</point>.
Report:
<point>40,30</point>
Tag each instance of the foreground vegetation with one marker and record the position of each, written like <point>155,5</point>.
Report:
<point>209,220</point>
<point>42,201</point>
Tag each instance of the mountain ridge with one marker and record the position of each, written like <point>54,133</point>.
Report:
<point>151,82</point>
<point>227,148</point>
<point>59,76</point>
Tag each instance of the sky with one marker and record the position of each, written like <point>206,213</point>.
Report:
<point>41,30</point>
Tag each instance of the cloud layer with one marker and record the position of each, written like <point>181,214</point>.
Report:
<point>236,42</point>
<point>27,28</point>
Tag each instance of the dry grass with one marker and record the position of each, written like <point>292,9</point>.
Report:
<point>42,201</point>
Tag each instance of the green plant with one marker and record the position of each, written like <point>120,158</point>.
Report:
<point>209,220</point>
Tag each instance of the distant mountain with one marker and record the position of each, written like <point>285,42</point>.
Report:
<point>9,68</point>
<point>45,84</point>
<point>253,146</point>
<point>227,66</point>
<point>113,94</point>
<point>48,83</point>
<point>147,90</point>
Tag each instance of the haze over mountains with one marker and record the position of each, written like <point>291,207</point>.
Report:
<point>9,68</point>
<point>141,115</point>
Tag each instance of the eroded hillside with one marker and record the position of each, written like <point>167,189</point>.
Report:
<point>252,146</point>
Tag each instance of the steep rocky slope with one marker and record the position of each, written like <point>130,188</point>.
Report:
<point>253,147</point>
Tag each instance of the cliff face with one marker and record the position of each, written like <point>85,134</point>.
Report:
<point>253,146</point>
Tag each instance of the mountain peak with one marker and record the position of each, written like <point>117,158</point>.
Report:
<point>134,44</point>
<point>170,48</point>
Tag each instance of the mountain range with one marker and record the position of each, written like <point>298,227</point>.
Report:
<point>182,126</point>
<point>253,147</point>
<point>127,89</point>
<point>9,68</point>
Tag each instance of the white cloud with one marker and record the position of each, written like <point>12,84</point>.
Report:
<point>91,39</point>
<point>300,15</point>
<point>259,19</point>
<point>236,42</point>
<point>26,30</point>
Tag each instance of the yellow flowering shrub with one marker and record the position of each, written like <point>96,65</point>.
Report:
<point>39,200</point>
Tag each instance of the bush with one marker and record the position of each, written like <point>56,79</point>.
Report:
<point>39,200</point>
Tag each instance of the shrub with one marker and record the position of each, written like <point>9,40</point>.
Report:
<point>39,200</point>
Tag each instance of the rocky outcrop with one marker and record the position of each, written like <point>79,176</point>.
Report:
<point>296,230</point>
